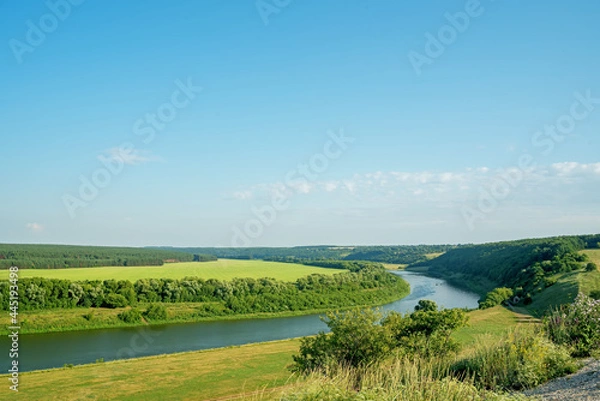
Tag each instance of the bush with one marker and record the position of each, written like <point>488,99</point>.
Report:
<point>356,340</point>
<point>576,326</point>
<point>496,297</point>
<point>115,301</point>
<point>426,305</point>
<point>591,267</point>
<point>155,312</point>
<point>425,333</point>
<point>524,360</point>
<point>130,316</point>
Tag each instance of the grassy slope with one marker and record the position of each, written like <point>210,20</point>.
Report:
<point>196,375</point>
<point>567,287</point>
<point>223,269</point>
<point>492,323</point>
<point>201,375</point>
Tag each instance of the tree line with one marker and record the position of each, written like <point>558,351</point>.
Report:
<point>65,256</point>
<point>241,295</point>
<point>403,254</point>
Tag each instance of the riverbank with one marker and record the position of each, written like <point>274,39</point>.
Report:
<point>203,375</point>
<point>82,319</point>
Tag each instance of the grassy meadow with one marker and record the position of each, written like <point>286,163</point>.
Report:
<point>222,269</point>
<point>206,375</point>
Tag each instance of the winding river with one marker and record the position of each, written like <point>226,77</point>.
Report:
<point>43,351</point>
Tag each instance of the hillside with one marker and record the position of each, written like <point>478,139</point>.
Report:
<point>541,272</point>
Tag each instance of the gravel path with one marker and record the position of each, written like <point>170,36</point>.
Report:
<point>581,386</point>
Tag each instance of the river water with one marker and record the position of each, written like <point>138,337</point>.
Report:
<point>43,351</point>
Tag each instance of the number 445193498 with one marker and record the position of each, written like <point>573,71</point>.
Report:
<point>13,306</point>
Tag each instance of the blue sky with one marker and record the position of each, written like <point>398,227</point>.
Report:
<point>432,144</point>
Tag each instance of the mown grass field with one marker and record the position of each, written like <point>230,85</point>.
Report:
<point>223,269</point>
<point>203,375</point>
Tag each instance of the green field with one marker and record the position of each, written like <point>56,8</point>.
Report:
<point>223,269</point>
<point>594,255</point>
<point>203,375</point>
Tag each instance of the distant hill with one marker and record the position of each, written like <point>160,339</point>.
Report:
<point>401,254</point>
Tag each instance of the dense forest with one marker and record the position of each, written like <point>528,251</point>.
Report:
<point>64,256</point>
<point>519,266</point>
<point>368,284</point>
<point>402,254</point>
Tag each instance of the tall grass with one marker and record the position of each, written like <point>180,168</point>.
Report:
<point>523,360</point>
<point>400,380</point>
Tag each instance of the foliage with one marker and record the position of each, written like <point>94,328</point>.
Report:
<point>524,360</point>
<point>155,312</point>
<point>525,266</point>
<point>115,301</point>
<point>576,326</point>
<point>130,316</point>
<point>371,285</point>
<point>591,267</point>
<point>405,254</point>
<point>425,332</point>
<point>496,297</point>
<point>358,339</point>
<point>426,305</point>
<point>64,256</point>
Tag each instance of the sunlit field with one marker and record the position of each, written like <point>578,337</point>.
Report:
<point>223,269</point>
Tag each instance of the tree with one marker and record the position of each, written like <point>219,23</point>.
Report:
<point>356,340</point>
<point>496,297</point>
<point>426,305</point>
<point>425,333</point>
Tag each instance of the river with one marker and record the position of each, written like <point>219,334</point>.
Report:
<point>43,351</point>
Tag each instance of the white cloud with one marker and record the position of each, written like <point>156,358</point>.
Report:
<point>243,195</point>
<point>448,187</point>
<point>35,227</point>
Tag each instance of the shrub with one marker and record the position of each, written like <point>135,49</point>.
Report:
<point>356,340</point>
<point>591,267</point>
<point>576,326</point>
<point>155,312</point>
<point>524,360</point>
<point>130,316</point>
<point>115,301</point>
<point>496,297</point>
<point>426,305</point>
<point>425,333</point>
